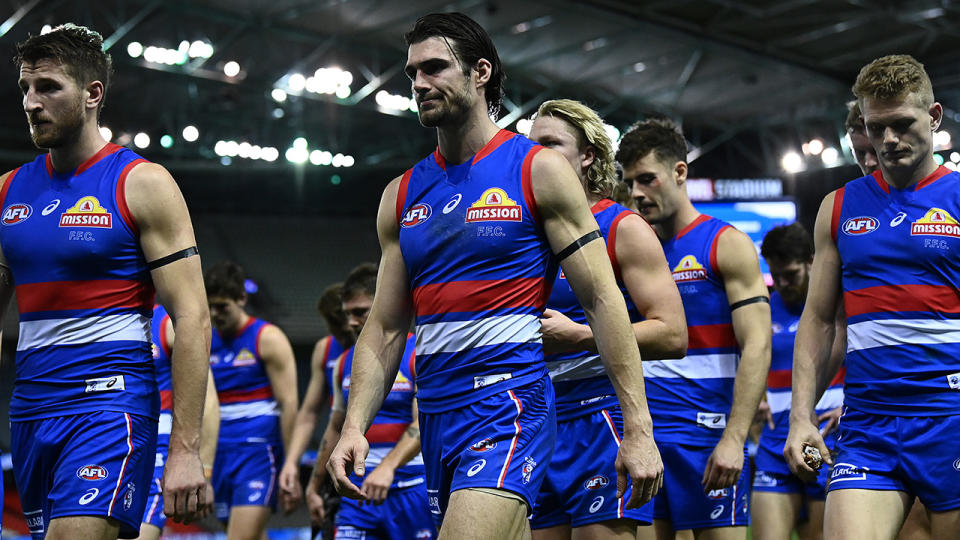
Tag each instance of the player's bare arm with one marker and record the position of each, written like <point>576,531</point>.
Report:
<point>643,266</point>
<point>209,427</point>
<point>280,365</point>
<point>663,332</point>
<point>750,311</point>
<point>379,347</point>
<point>815,340</point>
<point>304,424</point>
<point>567,222</point>
<point>377,484</point>
<point>161,215</point>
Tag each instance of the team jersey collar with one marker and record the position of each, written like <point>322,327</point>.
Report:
<point>107,149</point>
<point>691,226</point>
<point>601,205</point>
<point>501,137</point>
<point>937,174</point>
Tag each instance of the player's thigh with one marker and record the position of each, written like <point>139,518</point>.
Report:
<point>149,532</point>
<point>773,514</point>
<point>661,529</point>
<point>721,533</point>
<point>945,525</point>
<point>248,522</point>
<point>619,529</point>
<point>86,527</point>
<point>917,524</point>
<point>812,527</point>
<point>684,535</point>
<point>855,514</point>
<point>474,514</point>
<point>557,532</point>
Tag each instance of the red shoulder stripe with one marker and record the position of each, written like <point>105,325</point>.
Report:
<point>529,200</point>
<point>835,218</point>
<point>402,194</point>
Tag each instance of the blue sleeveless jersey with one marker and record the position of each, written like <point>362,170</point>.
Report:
<point>785,318</point>
<point>392,419</point>
<point>900,256</point>
<point>331,353</point>
<point>581,383</point>
<point>480,271</point>
<point>83,290</point>
<point>161,364</point>
<point>690,398</point>
<point>248,412</point>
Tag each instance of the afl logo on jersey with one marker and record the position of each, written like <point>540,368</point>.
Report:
<point>597,482</point>
<point>860,225</point>
<point>936,222</point>
<point>91,472</point>
<point>689,269</point>
<point>15,213</point>
<point>87,213</point>
<point>494,205</point>
<point>416,215</point>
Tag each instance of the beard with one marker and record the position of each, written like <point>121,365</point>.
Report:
<point>55,134</point>
<point>448,110</point>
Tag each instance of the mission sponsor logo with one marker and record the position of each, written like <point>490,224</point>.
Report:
<point>15,213</point>
<point>689,269</point>
<point>416,215</point>
<point>401,384</point>
<point>87,213</point>
<point>936,222</point>
<point>860,225</point>
<point>494,205</point>
<point>244,358</point>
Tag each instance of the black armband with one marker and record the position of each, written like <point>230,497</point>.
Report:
<point>577,244</point>
<point>163,261</point>
<point>749,301</point>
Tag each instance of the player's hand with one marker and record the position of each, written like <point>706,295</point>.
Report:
<point>724,465</point>
<point>804,431</point>
<point>315,503</point>
<point>348,456</point>
<point>377,484</point>
<point>290,489</point>
<point>559,332</point>
<point>183,485</point>
<point>764,414</point>
<point>832,419</point>
<point>638,461</point>
<point>206,506</point>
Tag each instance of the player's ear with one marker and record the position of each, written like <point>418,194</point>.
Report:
<point>588,155</point>
<point>936,116</point>
<point>680,172</point>
<point>484,70</point>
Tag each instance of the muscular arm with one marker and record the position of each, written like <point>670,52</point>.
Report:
<point>643,267</point>
<point>566,218</point>
<point>737,263</point>
<point>210,425</point>
<point>380,344</point>
<point>6,275</point>
<point>815,343</point>
<point>378,350</point>
<point>160,213</point>
<point>313,401</point>
<point>278,361</point>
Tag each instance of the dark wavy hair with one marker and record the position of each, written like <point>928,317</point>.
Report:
<point>659,135</point>
<point>469,42</point>
<point>788,243</point>
<point>361,280</point>
<point>225,279</point>
<point>77,48</point>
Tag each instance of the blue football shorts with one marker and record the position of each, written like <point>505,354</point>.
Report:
<point>503,441</point>
<point>92,464</point>
<point>581,483</point>
<point>404,515</point>
<point>245,474</point>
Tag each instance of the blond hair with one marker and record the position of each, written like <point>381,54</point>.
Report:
<point>601,174</point>
<point>894,77</point>
<point>854,121</point>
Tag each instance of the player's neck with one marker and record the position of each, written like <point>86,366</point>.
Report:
<point>241,324</point>
<point>461,141</point>
<point>905,177</point>
<point>684,216</point>
<point>68,157</point>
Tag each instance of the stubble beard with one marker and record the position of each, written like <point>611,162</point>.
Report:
<point>60,134</point>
